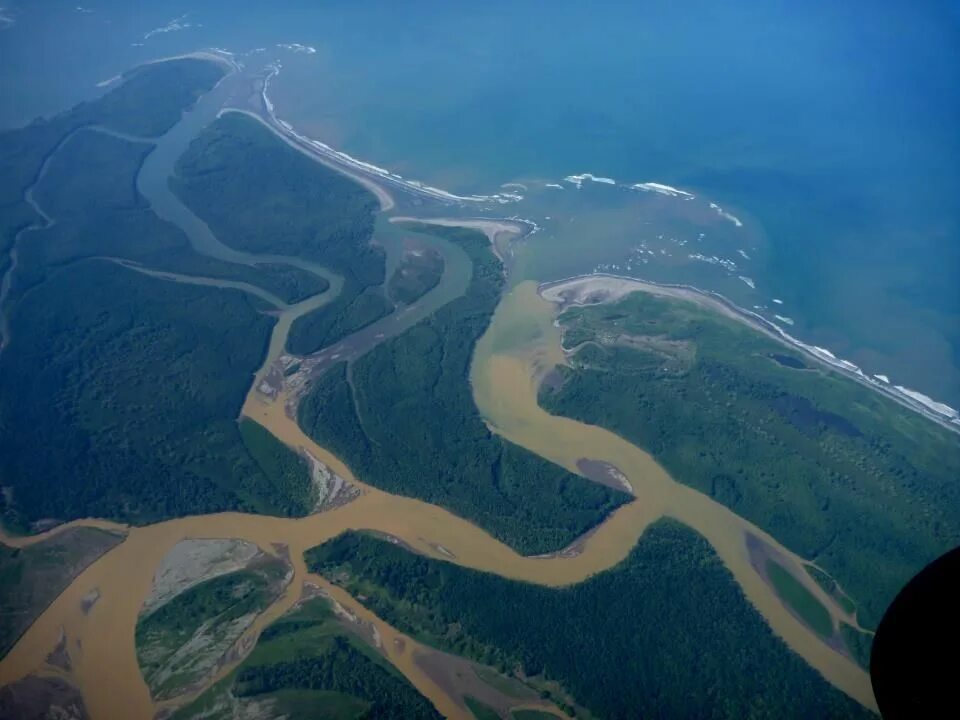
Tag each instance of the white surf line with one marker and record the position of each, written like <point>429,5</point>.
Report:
<point>370,170</point>
<point>491,227</point>
<point>221,57</point>
<point>384,198</point>
<point>942,414</point>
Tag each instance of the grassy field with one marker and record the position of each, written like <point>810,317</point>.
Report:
<point>410,426</point>
<point>792,592</point>
<point>666,633</point>
<point>838,473</point>
<point>307,665</point>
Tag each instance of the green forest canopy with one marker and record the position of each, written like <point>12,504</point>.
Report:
<point>407,423</point>
<point>259,195</point>
<point>666,633</point>
<point>838,473</point>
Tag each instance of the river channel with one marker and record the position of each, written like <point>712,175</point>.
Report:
<point>517,351</point>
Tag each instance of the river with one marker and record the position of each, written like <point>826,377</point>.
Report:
<point>519,348</point>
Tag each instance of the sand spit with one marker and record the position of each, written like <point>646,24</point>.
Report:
<point>383,197</point>
<point>604,288</point>
<point>505,384</point>
<point>498,232</point>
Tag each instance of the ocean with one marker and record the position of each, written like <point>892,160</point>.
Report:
<point>802,159</point>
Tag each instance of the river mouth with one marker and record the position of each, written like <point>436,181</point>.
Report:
<point>519,348</point>
<point>518,351</point>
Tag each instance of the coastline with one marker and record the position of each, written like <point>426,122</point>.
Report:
<point>372,175</point>
<point>493,228</point>
<point>385,199</point>
<point>467,542</point>
<point>351,165</point>
<point>596,288</point>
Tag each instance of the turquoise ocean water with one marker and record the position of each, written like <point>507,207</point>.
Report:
<point>827,130</point>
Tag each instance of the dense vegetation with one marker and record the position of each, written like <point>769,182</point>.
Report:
<point>32,577</point>
<point>147,103</point>
<point>136,383</point>
<point>796,596</point>
<point>836,472</point>
<point>667,633</point>
<point>418,273</point>
<point>183,640</point>
<point>262,196</point>
<point>308,666</point>
<point>858,643</point>
<point>351,310</point>
<point>414,428</point>
<point>290,489</point>
<point>92,345</point>
<point>89,190</point>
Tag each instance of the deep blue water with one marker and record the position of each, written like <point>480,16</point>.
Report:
<point>830,127</point>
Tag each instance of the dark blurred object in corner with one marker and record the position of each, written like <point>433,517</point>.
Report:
<point>915,662</point>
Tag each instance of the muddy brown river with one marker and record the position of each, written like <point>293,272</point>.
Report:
<point>519,347</point>
<point>517,351</point>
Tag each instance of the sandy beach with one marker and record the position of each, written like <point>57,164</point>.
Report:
<point>603,288</point>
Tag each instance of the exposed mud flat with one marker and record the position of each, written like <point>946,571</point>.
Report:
<point>604,473</point>
<point>760,555</point>
<point>178,665</point>
<point>460,678</point>
<point>331,489</point>
<point>59,657</point>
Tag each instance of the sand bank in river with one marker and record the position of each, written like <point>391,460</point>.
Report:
<point>518,350</point>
